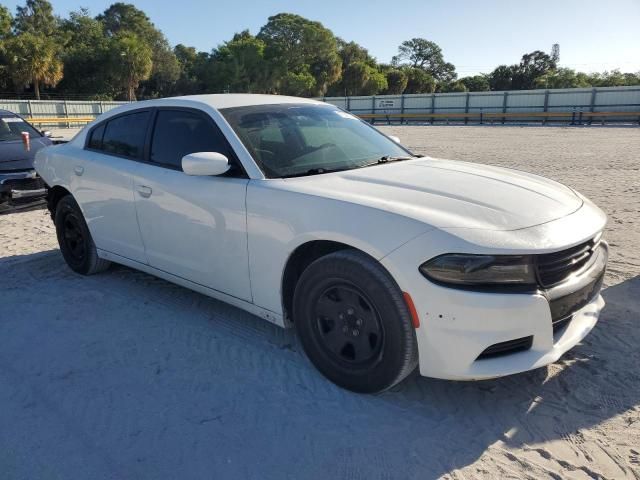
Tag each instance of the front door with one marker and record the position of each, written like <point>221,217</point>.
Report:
<point>193,227</point>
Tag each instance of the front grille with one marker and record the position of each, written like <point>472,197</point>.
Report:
<point>508,347</point>
<point>555,267</point>
<point>24,184</point>
<point>564,307</point>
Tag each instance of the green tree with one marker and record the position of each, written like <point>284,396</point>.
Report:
<point>614,78</point>
<point>425,55</point>
<point>130,62</point>
<point>476,83</point>
<point>122,17</point>
<point>302,47</point>
<point>532,66</point>
<point>376,83</point>
<point>239,65</point>
<point>419,81</point>
<point>193,66</point>
<point>34,59</point>
<point>501,78</point>
<point>86,56</point>
<point>6,20</point>
<point>36,17</point>
<point>5,32</point>
<point>450,87</point>
<point>562,78</point>
<point>298,84</point>
<point>351,52</point>
<point>358,68</point>
<point>396,82</point>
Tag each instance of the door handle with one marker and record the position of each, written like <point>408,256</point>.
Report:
<point>144,191</point>
<point>78,170</point>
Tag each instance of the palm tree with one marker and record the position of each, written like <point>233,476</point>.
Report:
<point>131,62</point>
<point>34,59</point>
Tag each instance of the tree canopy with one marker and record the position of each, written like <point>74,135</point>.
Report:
<point>121,54</point>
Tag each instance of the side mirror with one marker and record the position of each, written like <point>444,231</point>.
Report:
<point>205,163</point>
<point>394,138</point>
<point>46,133</point>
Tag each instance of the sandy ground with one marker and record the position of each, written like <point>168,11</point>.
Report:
<point>122,375</point>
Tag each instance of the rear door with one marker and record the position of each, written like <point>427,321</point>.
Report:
<point>104,187</point>
<point>193,227</point>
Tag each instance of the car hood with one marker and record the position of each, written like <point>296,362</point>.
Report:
<point>13,155</point>
<point>448,194</point>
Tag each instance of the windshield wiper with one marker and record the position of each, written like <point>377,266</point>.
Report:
<point>318,171</point>
<point>314,171</point>
<point>385,159</point>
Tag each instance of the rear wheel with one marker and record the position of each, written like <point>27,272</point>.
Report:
<point>75,240</point>
<point>353,322</point>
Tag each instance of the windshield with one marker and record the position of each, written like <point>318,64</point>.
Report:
<point>300,139</point>
<point>11,128</point>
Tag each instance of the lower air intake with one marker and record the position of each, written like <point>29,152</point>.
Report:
<point>507,348</point>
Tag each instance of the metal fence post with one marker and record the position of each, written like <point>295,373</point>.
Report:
<point>348,104</point>
<point>66,113</point>
<point>30,109</point>
<point>401,108</point>
<point>504,104</point>
<point>546,105</point>
<point>466,109</point>
<point>592,105</point>
<point>433,106</point>
<point>373,109</point>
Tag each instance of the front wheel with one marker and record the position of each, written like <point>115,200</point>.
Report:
<point>353,322</point>
<point>75,240</point>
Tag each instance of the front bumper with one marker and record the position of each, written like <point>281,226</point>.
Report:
<point>458,326</point>
<point>21,190</point>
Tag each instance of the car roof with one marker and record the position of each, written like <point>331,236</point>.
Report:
<point>7,112</point>
<point>229,100</point>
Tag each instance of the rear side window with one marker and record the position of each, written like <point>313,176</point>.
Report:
<point>95,138</point>
<point>178,133</point>
<point>125,135</point>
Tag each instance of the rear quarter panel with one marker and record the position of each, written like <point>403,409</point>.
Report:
<point>55,165</point>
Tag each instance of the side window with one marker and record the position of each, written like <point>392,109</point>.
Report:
<point>95,140</point>
<point>125,135</point>
<point>178,133</point>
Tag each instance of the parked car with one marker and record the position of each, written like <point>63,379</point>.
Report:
<point>303,214</point>
<point>20,186</point>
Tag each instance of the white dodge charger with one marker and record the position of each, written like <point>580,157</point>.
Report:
<point>306,216</point>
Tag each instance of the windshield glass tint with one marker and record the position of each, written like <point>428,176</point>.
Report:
<point>294,139</point>
<point>11,128</point>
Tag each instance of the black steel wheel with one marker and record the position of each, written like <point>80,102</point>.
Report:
<point>348,325</point>
<point>75,240</point>
<point>353,322</point>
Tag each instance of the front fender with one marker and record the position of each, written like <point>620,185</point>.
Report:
<point>279,221</point>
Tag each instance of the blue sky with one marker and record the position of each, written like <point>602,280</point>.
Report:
<point>474,35</point>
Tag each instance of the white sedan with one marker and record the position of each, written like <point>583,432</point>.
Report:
<point>306,216</point>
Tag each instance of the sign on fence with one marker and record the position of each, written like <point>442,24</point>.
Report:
<point>388,104</point>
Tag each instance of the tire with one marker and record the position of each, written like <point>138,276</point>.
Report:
<point>75,240</point>
<point>353,322</point>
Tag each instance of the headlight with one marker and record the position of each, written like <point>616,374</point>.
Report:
<point>479,270</point>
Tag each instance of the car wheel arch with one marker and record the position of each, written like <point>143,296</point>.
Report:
<point>55,194</point>
<point>303,256</point>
